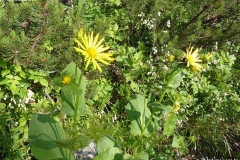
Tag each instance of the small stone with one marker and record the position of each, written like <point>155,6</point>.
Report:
<point>25,24</point>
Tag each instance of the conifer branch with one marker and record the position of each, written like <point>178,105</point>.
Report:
<point>39,36</point>
<point>40,33</point>
<point>195,17</point>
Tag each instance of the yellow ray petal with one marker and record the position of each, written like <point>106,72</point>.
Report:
<point>103,61</point>
<point>98,67</point>
<point>95,40</point>
<point>88,62</point>
<point>102,49</point>
<point>99,43</point>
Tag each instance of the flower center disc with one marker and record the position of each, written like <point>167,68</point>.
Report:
<point>190,59</point>
<point>92,52</point>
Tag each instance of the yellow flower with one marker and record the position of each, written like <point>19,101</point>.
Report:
<point>195,69</point>
<point>176,108</point>
<point>66,80</point>
<point>193,59</point>
<point>207,56</point>
<point>170,58</point>
<point>93,51</point>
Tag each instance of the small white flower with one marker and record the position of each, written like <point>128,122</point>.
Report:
<point>145,21</point>
<point>141,14</point>
<point>114,118</point>
<point>165,67</point>
<point>168,24</point>
<point>154,50</point>
<point>29,98</point>
<point>5,97</point>
<point>30,93</point>
<point>159,13</point>
<point>216,46</point>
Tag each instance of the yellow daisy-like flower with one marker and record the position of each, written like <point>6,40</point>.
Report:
<point>66,80</point>
<point>93,51</point>
<point>207,56</point>
<point>171,58</point>
<point>192,58</point>
<point>195,69</point>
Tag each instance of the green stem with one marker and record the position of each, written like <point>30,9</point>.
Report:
<point>162,95</point>
<point>143,116</point>
<point>77,101</point>
<point>148,122</point>
<point>77,97</point>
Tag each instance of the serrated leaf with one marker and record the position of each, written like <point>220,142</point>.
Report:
<point>14,88</point>
<point>5,72</point>
<point>43,82</point>
<point>22,121</point>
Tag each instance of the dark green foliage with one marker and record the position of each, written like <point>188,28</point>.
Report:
<point>37,43</point>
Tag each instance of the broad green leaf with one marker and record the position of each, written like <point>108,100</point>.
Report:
<point>43,131</point>
<point>5,72</point>
<point>17,78</point>
<point>68,101</point>
<point>163,156</point>
<point>128,157</point>
<point>143,156</point>
<point>107,149</point>
<point>22,74</point>
<point>105,143</point>
<point>18,68</point>
<point>139,114</point>
<point>23,121</point>
<point>138,57</point>
<point>174,78</point>
<point>43,82</point>
<point>79,142</point>
<point>14,88</point>
<point>70,70</point>
<point>175,142</point>
<point>178,141</point>
<point>9,76</point>
<point>237,108</point>
<point>170,124</point>
<point>82,109</point>
<point>158,107</point>
<point>109,154</point>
